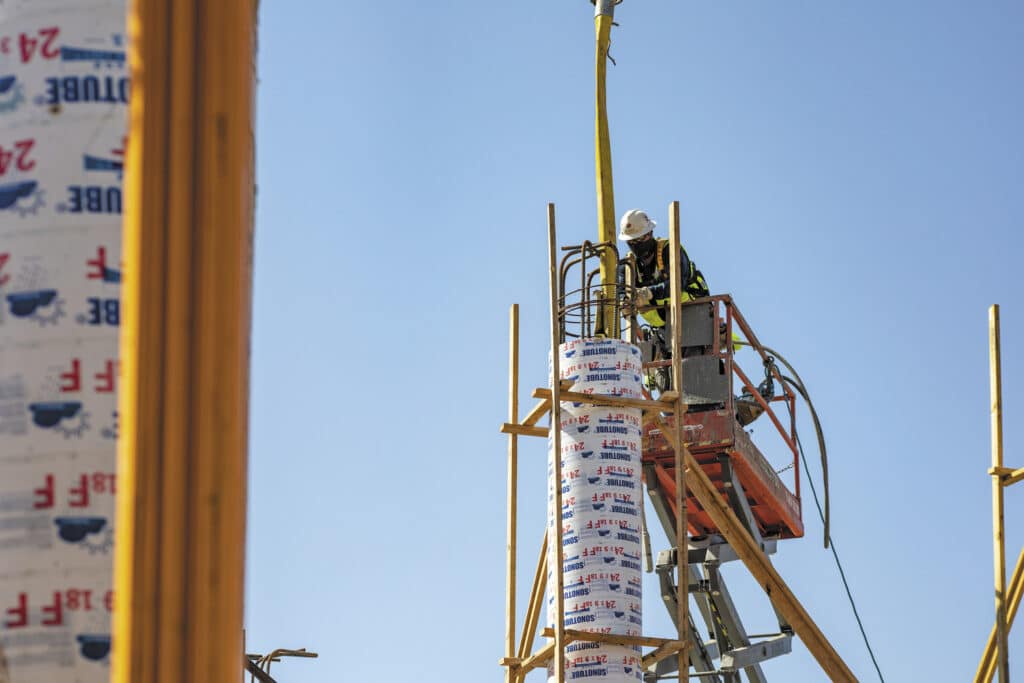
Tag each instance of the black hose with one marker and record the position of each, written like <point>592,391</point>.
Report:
<point>798,384</point>
<point>839,565</point>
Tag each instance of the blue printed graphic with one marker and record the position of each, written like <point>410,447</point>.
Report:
<point>102,311</point>
<point>84,89</point>
<point>111,431</point>
<point>54,414</point>
<point>41,305</point>
<point>94,646</point>
<point>75,529</point>
<point>97,57</point>
<point>79,530</point>
<point>92,163</point>
<point>92,199</point>
<point>97,198</point>
<point>49,414</point>
<point>11,94</point>
<point>22,196</point>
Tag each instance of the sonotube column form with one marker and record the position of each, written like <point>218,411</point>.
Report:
<point>600,515</point>
<point>63,95</point>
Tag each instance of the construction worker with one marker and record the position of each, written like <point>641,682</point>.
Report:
<point>636,229</point>
<point>653,282</point>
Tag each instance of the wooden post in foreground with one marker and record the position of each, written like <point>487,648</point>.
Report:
<point>180,551</point>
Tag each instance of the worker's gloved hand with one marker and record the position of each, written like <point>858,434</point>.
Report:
<point>642,297</point>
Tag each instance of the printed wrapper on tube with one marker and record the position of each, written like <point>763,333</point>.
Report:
<point>600,515</point>
<point>64,89</point>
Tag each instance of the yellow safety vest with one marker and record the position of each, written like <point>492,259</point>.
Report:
<point>695,287</point>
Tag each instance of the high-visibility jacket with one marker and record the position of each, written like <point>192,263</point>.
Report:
<point>655,275</point>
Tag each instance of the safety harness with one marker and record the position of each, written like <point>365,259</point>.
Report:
<point>695,287</point>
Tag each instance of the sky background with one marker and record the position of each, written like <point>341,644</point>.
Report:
<point>850,172</point>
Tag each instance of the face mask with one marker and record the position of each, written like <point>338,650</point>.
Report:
<point>645,249</point>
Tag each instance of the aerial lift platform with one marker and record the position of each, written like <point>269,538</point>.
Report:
<point>717,496</point>
<point>714,492</point>
<point>714,435</point>
<point>741,475</point>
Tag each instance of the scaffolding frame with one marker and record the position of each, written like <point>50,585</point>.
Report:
<point>995,656</point>
<point>520,661</point>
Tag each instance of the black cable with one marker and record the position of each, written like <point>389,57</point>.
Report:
<point>839,565</point>
<point>798,384</point>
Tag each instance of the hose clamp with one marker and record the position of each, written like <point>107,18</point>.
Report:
<point>605,7</point>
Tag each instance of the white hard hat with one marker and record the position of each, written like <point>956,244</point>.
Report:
<point>635,223</point>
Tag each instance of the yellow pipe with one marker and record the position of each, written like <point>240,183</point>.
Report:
<point>179,558</point>
<point>605,10</point>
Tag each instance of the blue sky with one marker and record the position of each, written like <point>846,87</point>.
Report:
<point>850,172</point>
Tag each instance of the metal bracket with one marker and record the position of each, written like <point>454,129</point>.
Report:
<point>755,653</point>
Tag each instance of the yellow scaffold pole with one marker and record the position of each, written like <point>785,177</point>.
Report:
<point>185,343</point>
<point>603,18</point>
<point>1000,662</point>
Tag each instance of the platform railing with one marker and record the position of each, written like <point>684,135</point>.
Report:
<point>731,325</point>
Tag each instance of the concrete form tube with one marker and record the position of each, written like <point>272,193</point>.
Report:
<point>63,90</point>
<point>600,515</point>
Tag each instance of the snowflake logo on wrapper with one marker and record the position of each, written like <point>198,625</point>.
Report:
<point>32,299</point>
<point>90,533</point>
<point>94,646</point>
<point>23,197</point>
<point>64,417</point>
<point>12,94</point>
<point>41,305</point>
